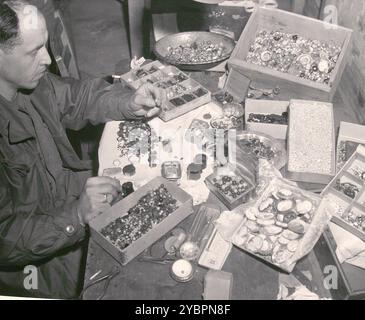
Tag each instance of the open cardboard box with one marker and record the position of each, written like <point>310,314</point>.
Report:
<point>295,142</point>
<point>277,131</point>
<point>185,208</point>
<point>349,138</point>
<point>345,203</point>
<point>290,85</point>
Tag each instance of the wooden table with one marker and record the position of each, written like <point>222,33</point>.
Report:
<point>252,278</point>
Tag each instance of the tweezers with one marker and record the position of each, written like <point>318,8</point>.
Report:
<point>115,271</point>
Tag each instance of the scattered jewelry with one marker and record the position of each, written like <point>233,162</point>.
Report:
<point>347,188</point>
<point>197,52</point>
<point>269,118</point>
<point>150,210</point>
<point>291,53</point>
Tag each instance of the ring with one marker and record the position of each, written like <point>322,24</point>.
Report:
<point>105,198</point>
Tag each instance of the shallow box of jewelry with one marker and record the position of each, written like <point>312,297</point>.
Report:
<point>267,107</point>
<point>350,136</point>
<point>311,142</point>
<point>348,283</point>
<point>120,209</point>
<point>183,93</point>
<point>347,191</point>
<point>239,189</point>
<point>292,68</point>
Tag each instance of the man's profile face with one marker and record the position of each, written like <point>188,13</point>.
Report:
<point>24,65</point>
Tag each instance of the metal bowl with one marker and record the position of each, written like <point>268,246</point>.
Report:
<point>279,158</point>
<point>188,38</point>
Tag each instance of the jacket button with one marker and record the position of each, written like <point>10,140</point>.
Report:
<point>70,229</point>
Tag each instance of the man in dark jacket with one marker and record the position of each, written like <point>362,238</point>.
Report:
<point>45,202</point>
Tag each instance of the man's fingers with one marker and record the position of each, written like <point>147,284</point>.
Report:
<point>97,181</point>
<point>144,101</point>
<point>153,112</point>
<point>103,189</point>
<point>156,93</point>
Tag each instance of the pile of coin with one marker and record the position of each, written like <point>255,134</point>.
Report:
<point>273,228</point>
<point>150,210</point>
<point>291,53</point>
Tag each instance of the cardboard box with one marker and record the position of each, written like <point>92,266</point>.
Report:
<point>290,86</point>
<point>349,138</point>
<point>350,279</point>
<point>348,205</point>
<point>218,285</point>
<point>185,208</point>
<point>228,201</point>
<point>277,131</point>
<point>307,135</point>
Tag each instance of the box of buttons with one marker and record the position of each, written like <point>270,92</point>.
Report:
<point>136,222</point>
<point>347,191</point>
<point>183,93</point>
<point>230,186</point>
<point>299,57</point>
<point>269,117</point>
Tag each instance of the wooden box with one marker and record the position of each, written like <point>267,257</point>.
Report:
<point>299,131</point>
<point>290,86</point>
<point>183,93</point>
<point>347,204</point>
<point>185,208</point>
<point>277,131</point>
<point>350,280</point>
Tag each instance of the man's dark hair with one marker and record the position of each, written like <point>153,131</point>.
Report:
<point>9,23</point>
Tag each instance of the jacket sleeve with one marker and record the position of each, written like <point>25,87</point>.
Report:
<point>32,236</point>
<point>95,101</point>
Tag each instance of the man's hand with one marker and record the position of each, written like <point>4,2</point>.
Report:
<point>96,197</point>
<point>147,101</point>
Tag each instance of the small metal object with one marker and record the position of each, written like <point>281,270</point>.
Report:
<point>266,56</point>
<point>127,188</point>
<point>114,272</point>
<point>170,244</point>
<point>194,171</point>
<point>201,159</point>
<point>129,170</point>
<point>95,275</point>
<point>171,170</point>
<point>105,198</point>
<point>305,59</point>
<point>182,271</point>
